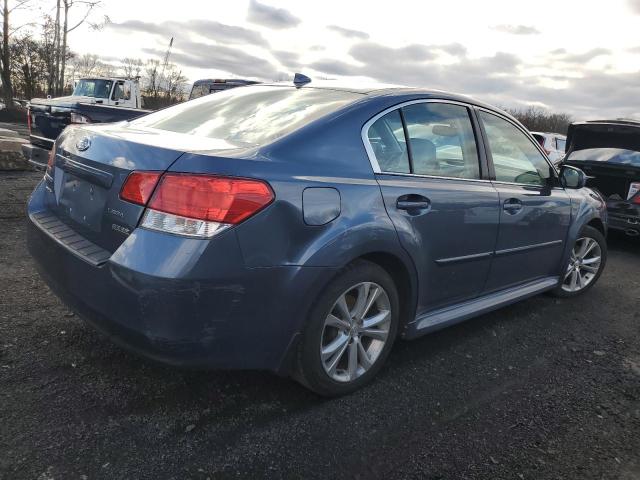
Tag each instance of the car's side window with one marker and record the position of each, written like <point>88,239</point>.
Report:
<point>561,144</point>
<point>118,91</point>
<point>441,139</point>
<point>387,140</point>
<point>515,157</point>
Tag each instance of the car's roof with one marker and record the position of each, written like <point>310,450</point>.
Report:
<point>381,89</point>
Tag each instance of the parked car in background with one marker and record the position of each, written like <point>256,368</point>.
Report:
<point>609,153</point>
<point>208,85</point>
<point>553,144</point>
<point>94,100</point>
<point>304,228</point>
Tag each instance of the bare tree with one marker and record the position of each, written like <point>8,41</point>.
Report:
<point>174,83</point>
<point>89,6</point>
<point>131,67</point>
<point>151,77</point>
<point>5,53</point>
<point>539,120</point>
<point>89,65</point>
<point>29,66</point>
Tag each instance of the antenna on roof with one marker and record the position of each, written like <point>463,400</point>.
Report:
<point>299,79</point>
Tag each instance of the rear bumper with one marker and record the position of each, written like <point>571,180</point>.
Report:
<point>230,317</point>
<point>35,155</point>
<point>629,224</point>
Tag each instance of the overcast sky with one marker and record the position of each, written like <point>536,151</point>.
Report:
<point>581,57</point>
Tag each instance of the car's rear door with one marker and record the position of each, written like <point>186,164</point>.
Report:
<point>535,211</point>
<point>431,174</point>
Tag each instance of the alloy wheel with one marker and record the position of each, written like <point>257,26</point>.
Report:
<point>584,264</point>
<point>355,331</point>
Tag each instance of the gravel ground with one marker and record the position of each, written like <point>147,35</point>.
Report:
<point>544,389</point>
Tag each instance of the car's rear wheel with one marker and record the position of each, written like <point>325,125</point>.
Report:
<point>586,263</point>
<point>350,331</point>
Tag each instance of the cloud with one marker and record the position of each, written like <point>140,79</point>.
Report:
<point>635,6</point>
<point>369,52</point>
<point>220,32</point>
<point>272,17</point>
<point>220,57</point>
<point>516,29</point>
<point>347,32</point>
<point>580,58</point>
<point>455,49</point>
<point>290,60</point>
<point>416,65</point>
<point>335,67</point>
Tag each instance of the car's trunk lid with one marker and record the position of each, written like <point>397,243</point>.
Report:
<point>91,166</point>
<point>609,153</point>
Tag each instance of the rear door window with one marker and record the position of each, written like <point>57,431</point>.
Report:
<point>441,140</point>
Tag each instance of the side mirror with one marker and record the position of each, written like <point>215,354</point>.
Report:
<point>572,177</point>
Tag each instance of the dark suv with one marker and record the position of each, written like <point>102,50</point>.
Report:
<point>301,229</point>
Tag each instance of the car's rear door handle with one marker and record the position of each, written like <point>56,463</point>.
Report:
<point>512,206</point>
<point>413,203</point>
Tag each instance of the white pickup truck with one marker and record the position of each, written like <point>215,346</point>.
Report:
<point>115,91</point>
<point>94,100</point>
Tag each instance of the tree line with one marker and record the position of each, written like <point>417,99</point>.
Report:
<point>538,120</point>
<point>36,59</point>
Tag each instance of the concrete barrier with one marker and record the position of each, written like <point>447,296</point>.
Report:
<point>11,157</point>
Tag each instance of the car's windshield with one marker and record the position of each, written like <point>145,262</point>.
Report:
<point>610,155</point>
<point>97,88</point>
<point>251,115</point>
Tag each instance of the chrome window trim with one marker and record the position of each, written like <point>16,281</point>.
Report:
<point>532,185</point>
<point>418,175</point>
<point>364,133</point>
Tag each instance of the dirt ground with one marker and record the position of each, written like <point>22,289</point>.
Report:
<point>545,389</point>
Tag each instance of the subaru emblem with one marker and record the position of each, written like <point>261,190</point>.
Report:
<point>83,144</point>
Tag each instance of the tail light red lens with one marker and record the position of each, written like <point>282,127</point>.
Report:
<point>139,186</point>
<point>636,199</point>
<point>210,198</point>
<point>51,159</point>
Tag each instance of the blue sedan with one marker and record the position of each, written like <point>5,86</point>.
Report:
<point>302,228</point>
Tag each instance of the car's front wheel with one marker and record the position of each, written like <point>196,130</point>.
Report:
<point>586,263</point>
<point>350,331</point>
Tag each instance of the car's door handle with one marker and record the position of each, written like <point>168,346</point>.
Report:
<point>512,206</point>
<point>413,203</point>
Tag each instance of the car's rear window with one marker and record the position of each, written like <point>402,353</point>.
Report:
<point>249,115</point>
<point>609,155</point>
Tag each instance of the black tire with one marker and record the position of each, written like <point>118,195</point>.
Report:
<point>310,371</point>
<point>596,235</point>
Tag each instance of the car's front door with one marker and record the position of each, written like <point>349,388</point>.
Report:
<point>535,211</point>
<point>429,170</point>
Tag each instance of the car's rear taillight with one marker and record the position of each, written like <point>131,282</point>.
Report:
<point>139,186</point>
<point>195,205</point>
<point>52,157</point>
<point>636,199</point>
